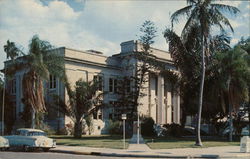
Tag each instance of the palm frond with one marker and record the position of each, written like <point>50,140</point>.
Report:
<point>192,20</point>
<point>217,17</point>
<point>225,8</point>
<point>54,64</point>
<point>191,2</point>
<point>181,12</point>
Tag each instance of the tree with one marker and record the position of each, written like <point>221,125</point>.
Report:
<point>8,109</point>
<point>205,14</point>
<point>185,54</point>
<point>125,104</point>
<point>144,63</point>
<point>11,52</point>
<point>84,100</point>
<point>231,79</point>
<point>40,62</point>
<point>145,60</point>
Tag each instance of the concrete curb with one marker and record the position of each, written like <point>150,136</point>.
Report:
<point>148,155</point>
<point>77,152</point>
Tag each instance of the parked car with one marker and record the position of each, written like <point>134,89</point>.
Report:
<point>4,143</point>
<point>245,131</point>
<point>30,139</point>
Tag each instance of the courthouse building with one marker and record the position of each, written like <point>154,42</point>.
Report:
<point>160,101</point>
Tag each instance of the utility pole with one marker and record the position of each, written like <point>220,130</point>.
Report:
<point>3,101</point>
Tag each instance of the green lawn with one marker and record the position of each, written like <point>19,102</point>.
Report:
<point>169,143</point>
<point>116,142</point>
<point>100,141</point>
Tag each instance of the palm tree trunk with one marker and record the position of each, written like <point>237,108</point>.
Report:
<point>198,127</point>
<point>78,129</point>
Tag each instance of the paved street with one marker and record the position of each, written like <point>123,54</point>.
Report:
<point>47,155</point>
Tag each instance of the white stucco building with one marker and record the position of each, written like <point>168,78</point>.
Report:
<point>160,101</point>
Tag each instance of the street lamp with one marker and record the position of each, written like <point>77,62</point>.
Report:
<point>138,126</point>
<point>124,117</point>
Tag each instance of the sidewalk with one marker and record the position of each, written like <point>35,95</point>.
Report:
<point>143,151</point>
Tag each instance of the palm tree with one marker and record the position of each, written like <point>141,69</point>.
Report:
<point>12,51</point>
<point>232,78</point>
<point>40,62</point>
<point>205,14</point>
<point>84,100</point>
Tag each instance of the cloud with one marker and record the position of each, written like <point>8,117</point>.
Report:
<point>52,22</point>
<point>102,25</point>
<point>234,41</point>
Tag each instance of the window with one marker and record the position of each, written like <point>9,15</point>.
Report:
<point>100,116</point>
<point>52,82</point>
<point>156,85</point>
<point>110,85</point>
<point>113,103</point>
<point>111,116</point>
<point>13,86</point>
<point>113,85</point>
<point>128,86</point>
<point>99,79</point>
<point>95,115</point>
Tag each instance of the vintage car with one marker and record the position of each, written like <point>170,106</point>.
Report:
<point>245,131</point>
<point>4,143</point>
<point>30,139</point>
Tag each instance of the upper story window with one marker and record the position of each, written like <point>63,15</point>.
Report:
<point>156,86</point>
<point>13,86</point>
<point>113,85</point>
<point>52,82</point>
<point>127,86</point>
<point>99,79</point>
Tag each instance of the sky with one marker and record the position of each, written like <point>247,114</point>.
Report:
<point>97,24</point>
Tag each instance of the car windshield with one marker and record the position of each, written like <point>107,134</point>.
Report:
<point>20,132</point>
<point>29,133</point>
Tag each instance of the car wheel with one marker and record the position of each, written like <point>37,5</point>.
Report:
<point>46,149</point>
<point>25,148</point>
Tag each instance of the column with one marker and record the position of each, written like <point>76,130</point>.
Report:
<point>160,101</point>
<point>169,105</point>
<point>176,108</point>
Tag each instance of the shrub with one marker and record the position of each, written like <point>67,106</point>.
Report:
<point>174,130</point>
<point>147,127</point>
<point>114,127</point>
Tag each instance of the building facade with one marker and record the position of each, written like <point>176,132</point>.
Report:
<point>159,102</point>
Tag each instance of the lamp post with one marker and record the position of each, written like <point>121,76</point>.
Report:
<point>138,125</point>
<point>124,117</point>
<point>3,102</point>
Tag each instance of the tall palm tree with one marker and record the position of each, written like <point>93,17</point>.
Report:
<point>205,14</point>
<point>41,62</point>
<point>12,51</point>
